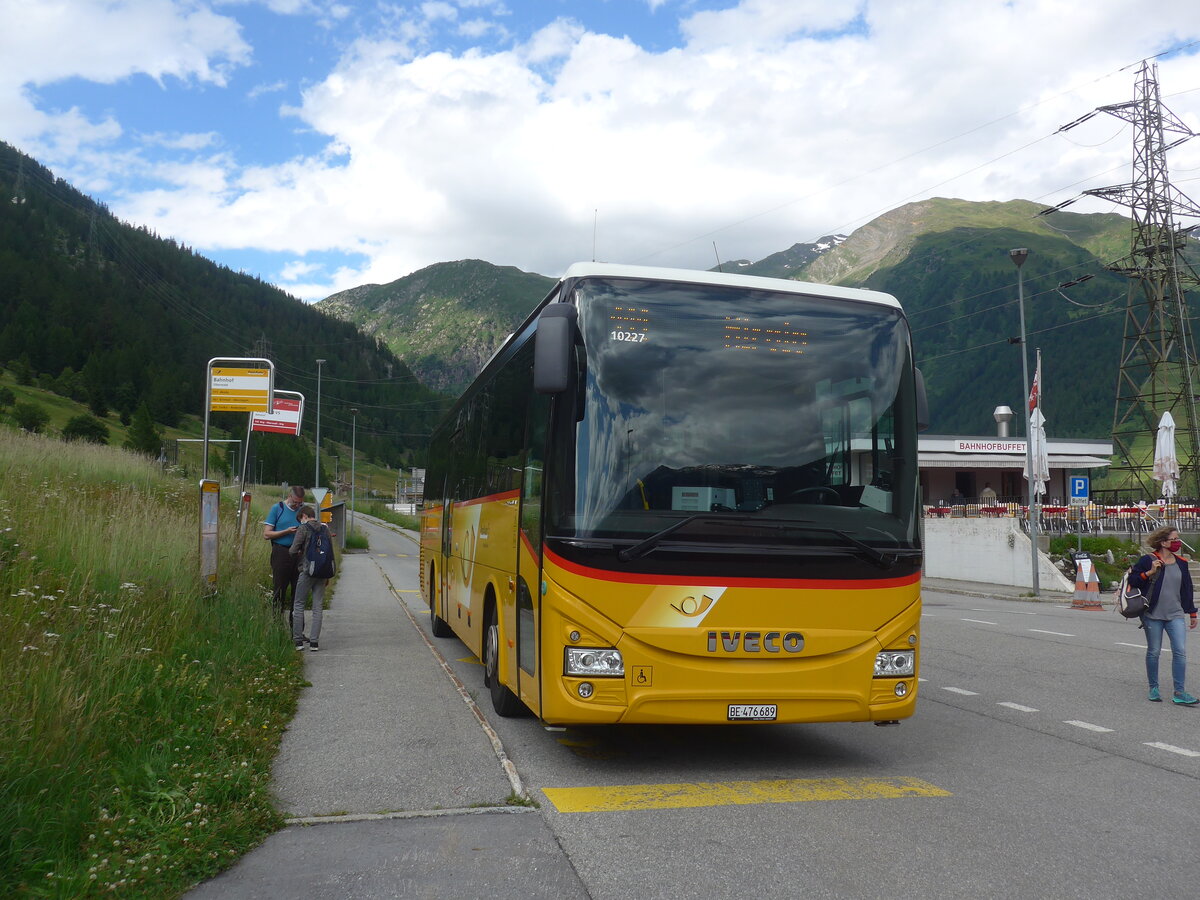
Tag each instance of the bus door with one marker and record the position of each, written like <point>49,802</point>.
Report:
<point>529,555</point>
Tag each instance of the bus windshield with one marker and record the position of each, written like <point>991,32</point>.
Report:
<point>779,408</point>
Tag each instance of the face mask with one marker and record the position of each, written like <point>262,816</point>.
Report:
<point>1174,546</point>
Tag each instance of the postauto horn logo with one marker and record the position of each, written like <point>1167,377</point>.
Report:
<point>755,642</point>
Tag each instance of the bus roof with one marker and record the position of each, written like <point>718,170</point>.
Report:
<point>755,282</point>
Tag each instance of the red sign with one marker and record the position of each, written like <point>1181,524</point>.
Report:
<point>283,419</point>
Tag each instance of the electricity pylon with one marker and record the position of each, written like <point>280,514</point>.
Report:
<point>1158,367</point>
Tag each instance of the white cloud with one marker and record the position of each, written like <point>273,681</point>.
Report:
<point>273,87</point>
<point>438,9</point>
<point>764,22</point>
<point>554,41</point>
<point>195,141</point>
<point>775,121</point>
<point>52,41</point>
<point>296,270</point>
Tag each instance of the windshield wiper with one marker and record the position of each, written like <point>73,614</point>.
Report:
<point>641,548</point>
<point>869,553</point>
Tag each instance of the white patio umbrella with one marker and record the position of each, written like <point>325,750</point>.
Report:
<point>1166,466</point>
<point>1041,460</point>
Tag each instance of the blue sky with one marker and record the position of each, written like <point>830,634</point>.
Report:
<point>322,144</point>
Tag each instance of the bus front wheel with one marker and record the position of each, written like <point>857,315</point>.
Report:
<point>504,701</point>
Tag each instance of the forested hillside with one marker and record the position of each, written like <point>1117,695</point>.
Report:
<point>959,290</point>
<point>445,320</point>
<point>115,316</point>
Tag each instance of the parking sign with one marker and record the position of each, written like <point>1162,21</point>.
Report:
<point>1080,488</point>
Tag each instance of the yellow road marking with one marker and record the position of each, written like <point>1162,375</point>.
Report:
<point>472,659</point>
<point>731,793</point>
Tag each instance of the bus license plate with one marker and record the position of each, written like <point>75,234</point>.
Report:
<point>762,712</point>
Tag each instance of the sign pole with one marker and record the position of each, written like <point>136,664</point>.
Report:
<point>210,502</point>
<point>239,384</point>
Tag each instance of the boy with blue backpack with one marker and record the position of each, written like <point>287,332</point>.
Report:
<point>313,548</point>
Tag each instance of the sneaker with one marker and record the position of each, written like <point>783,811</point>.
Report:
<point>1155,696</point>
<point>312,645</point>
<point>299,645</point>
<point>1183,698</point>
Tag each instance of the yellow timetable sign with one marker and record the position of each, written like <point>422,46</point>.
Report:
<point>239,390</point>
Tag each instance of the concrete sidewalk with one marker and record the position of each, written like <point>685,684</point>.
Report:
<point>391,784</point>
<point>1003,591</point>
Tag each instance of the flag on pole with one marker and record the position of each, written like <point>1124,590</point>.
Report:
<point>1035,392</point>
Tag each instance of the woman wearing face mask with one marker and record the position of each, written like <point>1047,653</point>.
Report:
<point>1170,598</point>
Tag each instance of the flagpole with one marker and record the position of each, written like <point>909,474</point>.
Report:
<point>1018,258</point>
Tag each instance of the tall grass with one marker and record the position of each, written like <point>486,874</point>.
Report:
<point>379,510</point>
<point>139,713</point>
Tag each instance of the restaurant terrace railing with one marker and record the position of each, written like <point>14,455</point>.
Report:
<point>1092,518</point>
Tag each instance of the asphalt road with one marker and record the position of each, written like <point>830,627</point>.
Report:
<point>1034,767</point>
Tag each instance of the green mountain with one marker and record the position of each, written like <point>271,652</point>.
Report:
<point>446,320</point>
<point>959,291</point>
<point>785,263</point>
<point>115,316</point>
<point>887,240</point>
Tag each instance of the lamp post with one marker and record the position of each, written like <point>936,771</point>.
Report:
<point>317,471</point>
<point>1018,257</point>
<point>353,455</point>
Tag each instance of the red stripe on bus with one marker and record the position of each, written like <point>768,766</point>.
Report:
<point>796,583</point>
<point>533,551</point>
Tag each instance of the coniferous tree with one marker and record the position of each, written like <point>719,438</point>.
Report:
<point>22,369</point>
<point>143,436</point>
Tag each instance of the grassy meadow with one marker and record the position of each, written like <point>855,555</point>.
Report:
<point>139,714</point>
<point>379,510</point>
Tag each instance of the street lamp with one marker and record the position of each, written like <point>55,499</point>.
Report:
<point>353,455</point>
<point>1018,257</point>
<point>317,471</point>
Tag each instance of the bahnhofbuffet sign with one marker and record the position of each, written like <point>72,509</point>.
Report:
<point>997,446</point>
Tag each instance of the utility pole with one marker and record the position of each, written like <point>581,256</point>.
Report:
<point>1158,366</point>
<point>317,473</point>
<point>353,459</point>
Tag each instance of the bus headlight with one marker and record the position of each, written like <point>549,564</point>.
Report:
<point>593,661</point>
<point>895,663</point>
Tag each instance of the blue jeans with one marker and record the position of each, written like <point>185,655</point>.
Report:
<point>1177,632</point>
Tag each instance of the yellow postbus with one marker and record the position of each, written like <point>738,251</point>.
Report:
<point>685,497</point>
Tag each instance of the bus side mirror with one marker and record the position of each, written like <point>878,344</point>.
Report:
<point>922,402</point>
<point>552,346</point>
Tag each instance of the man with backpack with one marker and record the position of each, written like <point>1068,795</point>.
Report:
<point>280,528</point>
<point>313,549</point>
